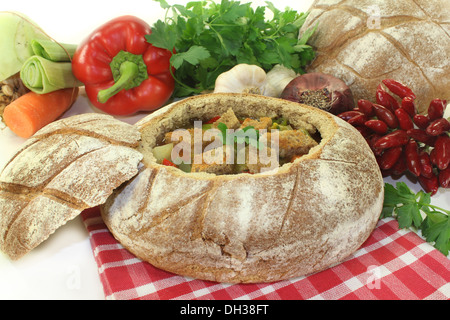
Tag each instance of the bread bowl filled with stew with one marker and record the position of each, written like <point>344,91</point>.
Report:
<point>242,188</point>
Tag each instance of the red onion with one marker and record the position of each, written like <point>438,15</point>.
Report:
<point>320,90</point>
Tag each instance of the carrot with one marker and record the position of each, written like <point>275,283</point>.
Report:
<point>32,111</point>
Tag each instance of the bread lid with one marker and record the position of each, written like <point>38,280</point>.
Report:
<point>66,167</point>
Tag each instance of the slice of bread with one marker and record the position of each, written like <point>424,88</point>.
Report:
<point>68,166</point>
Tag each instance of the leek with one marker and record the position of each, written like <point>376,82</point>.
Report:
<point>44,64</point>
<point>17,32</point>
<point>41,75</point>
<point>50,68</point>
<point>51,50</point>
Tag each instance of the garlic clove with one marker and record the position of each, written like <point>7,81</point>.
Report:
<point>277,79</point>
<point>242,78</point>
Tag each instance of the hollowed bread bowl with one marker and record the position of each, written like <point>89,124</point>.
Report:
<point>301,218</point>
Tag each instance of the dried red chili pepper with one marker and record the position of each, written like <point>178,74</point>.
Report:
<point>390,157</point>
<point>358,120</point>
<point>347,115</point>
<point>371,140</point>
<point>412,157</point>
<point>421,121</point>
<point>404,120</point>
<point>386,100</point>
<point>409,106</point>
<point>444,178</point>
<point>436,109</point>
<point>385,115</point>
<point>398,151</point>
<point>387,173</point>
<point>438,127</point>
<point>433,157</point>
<point>365,132</point>
<point>377,126</point>
<point>399,88</point>
<point>421,136</point>
<point>442,151</point>
<point>426,167</point>
<point>393,139</point>
<point>366,107</point>
<point>430,185</point>
<point>399,167</point>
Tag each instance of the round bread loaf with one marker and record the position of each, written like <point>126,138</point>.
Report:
<point>364,42</point>
<point>302,217</point>
<point>68,166</point>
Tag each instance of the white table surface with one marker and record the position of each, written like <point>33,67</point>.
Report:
<point>63,267</point>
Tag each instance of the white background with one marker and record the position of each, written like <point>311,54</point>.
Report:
<point>63,267</point>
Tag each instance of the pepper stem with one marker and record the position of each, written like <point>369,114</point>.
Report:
<point>129,70</point>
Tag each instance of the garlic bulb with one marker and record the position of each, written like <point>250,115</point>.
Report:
<point>242,78</point>
<point>246,78</point>
<point>277,79</point>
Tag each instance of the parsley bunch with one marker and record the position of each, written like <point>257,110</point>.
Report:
<point>210,38</point>
<point>407,206</point>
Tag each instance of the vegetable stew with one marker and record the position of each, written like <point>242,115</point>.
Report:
<point>227,144</point>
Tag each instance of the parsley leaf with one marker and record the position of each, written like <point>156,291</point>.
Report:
<point>240,136</point>
<point>406,206</point>
<point>160,36</point>
<point>210,38</point>
<point>223,129</point>
<point>193,56</point>
<point>408,214</point>
<point>251,138</point>
<point>436,228</point>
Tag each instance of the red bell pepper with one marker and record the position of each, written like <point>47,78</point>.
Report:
<point>168,163</point>
<point>121,71</point>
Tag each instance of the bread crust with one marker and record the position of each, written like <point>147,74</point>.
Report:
<point>66,167</point>
<point>301,218</point>
<point>365,42</point>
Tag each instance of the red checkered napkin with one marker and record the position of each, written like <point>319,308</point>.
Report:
<point>391,264</point>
